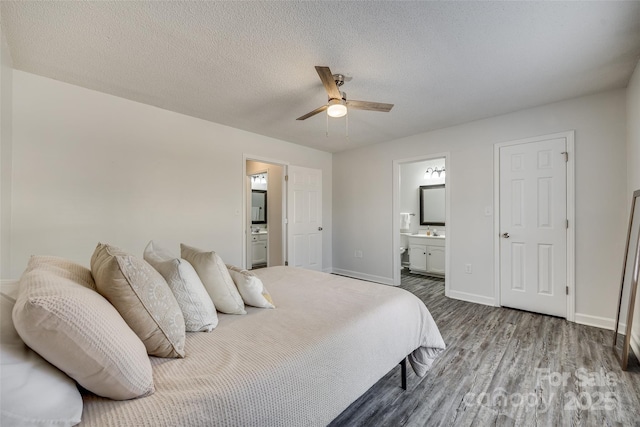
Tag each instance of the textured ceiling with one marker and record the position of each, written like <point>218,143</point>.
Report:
<point>250,65</point>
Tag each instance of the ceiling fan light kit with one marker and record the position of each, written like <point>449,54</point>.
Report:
<point>337,108</point>
<point>338,104</point>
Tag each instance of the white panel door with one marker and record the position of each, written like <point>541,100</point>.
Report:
<point>304,212</point>
<point>533,227</point>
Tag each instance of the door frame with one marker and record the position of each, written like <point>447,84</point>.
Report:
<point>571,203</point>
<point>395,228</point>
<point>246,185</point>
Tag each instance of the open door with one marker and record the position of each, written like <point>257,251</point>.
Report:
<point>304,213</point>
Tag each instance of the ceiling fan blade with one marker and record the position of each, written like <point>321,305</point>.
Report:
<point>371,106</point>
<point>313,113</point>
<point>328,82</point>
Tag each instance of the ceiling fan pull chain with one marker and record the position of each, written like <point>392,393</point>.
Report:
<point>327,125</point>
<point>346,131</point>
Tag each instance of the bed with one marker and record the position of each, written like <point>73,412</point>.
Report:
<point>329,340</point>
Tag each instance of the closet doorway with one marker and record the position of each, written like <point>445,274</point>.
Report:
<point>264,213</point>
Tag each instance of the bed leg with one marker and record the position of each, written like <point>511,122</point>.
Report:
<point>403,373</point>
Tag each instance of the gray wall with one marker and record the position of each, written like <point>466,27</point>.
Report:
<point>362,197</point>
<point>91,167</point>
<point>6,99</point>
<point>633,166</point>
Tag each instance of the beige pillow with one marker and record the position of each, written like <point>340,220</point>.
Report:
<point>194,301</point>
<point>216,279</point>
<point>251,287</point>
<point>142,297</point>
<point>60,315</point>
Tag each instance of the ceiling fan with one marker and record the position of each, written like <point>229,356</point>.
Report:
<point>338,104</point>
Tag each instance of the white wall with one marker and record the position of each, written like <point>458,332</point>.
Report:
<point>91,167</point>
<point>633,167</point>
<point>363,198</point>
<point>411,178</point>
<point>6,99</point>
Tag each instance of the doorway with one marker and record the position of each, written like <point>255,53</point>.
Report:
<point>412,207</point>
<point>265,207</point>
<point>534,246</point>
<point>293,221</point>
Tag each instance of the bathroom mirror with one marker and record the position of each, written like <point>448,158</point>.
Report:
<point>432,204</point>
<point>628,285</point>
<point>258,206</point>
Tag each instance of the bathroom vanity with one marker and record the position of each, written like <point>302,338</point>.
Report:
<point>426,254</point>
<point>259,248</point>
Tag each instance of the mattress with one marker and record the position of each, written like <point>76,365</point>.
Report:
<point>329,340</point>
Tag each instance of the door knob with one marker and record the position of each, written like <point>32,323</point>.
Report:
<point>319,228</point>
<point>505,235</point>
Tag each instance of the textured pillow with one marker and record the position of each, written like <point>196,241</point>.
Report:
<point>216,279</point>
<point>251,287</point>
<point>194,301</point>
<point>59,314</point>
<point>34,393</point>
<point>142,297</point>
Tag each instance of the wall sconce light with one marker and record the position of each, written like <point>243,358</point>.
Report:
<point>430,171</point>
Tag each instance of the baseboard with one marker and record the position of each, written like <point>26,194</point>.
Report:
<point>598,322</point>
<point>464,296</point>
<point>363,276</point>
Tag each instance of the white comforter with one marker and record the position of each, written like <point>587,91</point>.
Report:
<point>329,339</point>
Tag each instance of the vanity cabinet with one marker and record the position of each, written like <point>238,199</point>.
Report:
<point>259,248</point>
<point>435,259</point>
<point>426,254</point>
<point>418,257</point>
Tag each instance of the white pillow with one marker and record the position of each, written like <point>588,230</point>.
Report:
<point>193,299</point>
<point>251,287</point>
<point>34,393</point>
<point>216,279</point>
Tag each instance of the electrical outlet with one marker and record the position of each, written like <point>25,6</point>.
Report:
<point>357,253</point>
<point>467,268</point>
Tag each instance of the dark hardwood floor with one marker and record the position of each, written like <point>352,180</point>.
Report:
<point>504,367</point>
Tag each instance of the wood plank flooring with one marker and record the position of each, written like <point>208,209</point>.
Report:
<point>504,367</point>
